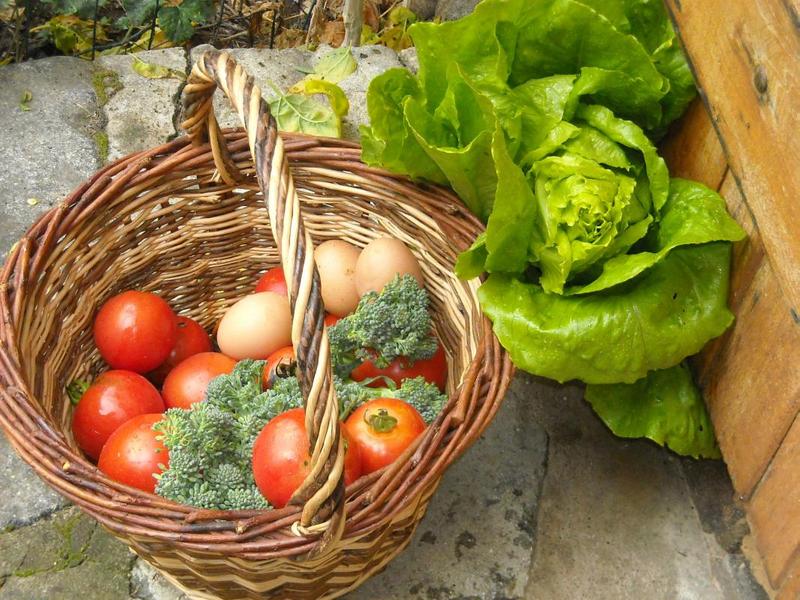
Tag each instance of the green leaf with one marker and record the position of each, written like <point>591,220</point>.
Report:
<point>296,112</point>
<point>82,8</point>
<point>71,34</point>
<point>178,21</point>
<point>25,100</point>
<point>652,322</point>
<point>334,93</point>
<point>137,12</point>
<point>154,71</point>
<point>334,66</point>
<point>665,407</point>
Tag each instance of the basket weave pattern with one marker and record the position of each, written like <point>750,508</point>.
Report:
<point>161,220</point>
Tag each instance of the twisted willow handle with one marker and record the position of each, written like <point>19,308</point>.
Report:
<point>322,493</point>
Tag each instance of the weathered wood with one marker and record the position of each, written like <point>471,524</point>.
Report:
<point>775,509</point>
<point>693,150</point>
<point>745,56</point>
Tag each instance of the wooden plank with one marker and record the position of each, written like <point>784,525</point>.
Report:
<point>775,509</point>
<point>790,589</point>
<point>693,150</point>
<point>750,385</point>
<point>745,57</point>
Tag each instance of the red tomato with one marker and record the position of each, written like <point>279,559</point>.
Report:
<point>135,331</point>
<point>331,320</point>
<point>281,460</point>
<point>132,454</point>
<point>192,339</point>
<point>187,383</point>
<point>383,428</point>
<point>113,399</point>
<point>283,358</point>
<point>273,281</point>
<point>433,369</point>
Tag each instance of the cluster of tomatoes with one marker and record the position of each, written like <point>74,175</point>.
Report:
<point>147,345</point>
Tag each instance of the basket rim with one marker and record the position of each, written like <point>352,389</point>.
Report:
<point>128,511</point>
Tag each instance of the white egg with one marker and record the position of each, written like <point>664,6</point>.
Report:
<point>255,326</point>
<point>336,262</point>
<point>383,259</point>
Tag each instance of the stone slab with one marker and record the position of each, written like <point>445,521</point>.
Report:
<point>139,115</point>
<point>48,150</point>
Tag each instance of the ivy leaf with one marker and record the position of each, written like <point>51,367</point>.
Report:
<point>137,12</point>
<point>334,93</point>
<point>303,114</point>
<point>82,8</point>
<point>71,34</point>
<point>177,21</point>
<point>154,71</point>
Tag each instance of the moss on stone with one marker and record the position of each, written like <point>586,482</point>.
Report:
<point>106,83</point>
<point>101,141</point>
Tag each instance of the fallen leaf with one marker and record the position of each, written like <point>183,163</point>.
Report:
<point>368,36</point>
<point>303,114</point>
<point>336,96</point>
<point>153,71</point>
<point>290,38</point>
<point>372,14</point>
<point>332,34</point>
<point>71,34</point>
<point>334,66</point>
<point>25,100</point>
<point>33,201</point>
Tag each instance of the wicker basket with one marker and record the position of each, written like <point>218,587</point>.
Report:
<point>188,221</point>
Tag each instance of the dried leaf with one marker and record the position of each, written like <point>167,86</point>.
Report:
<point>372,14</point>
<point>395,33</point>
<point>71,34</point>
<point>332,34</point>
<point>296,112</point>
<point>154,71</point>
<point>25,100</point>
<point>334,93</point>
<point>290,38</point>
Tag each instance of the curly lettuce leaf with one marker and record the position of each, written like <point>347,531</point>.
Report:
<point>619,335</point>
<point>665,406</point>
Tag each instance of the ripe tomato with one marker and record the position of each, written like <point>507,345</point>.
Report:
<point>273,281</point>
<point>192,339</point>
<point>187,383</point>
<point>113,399</point>
<point>281,460</point>
<point>132,454</point>
<point>135,331</point>
<point>433,369</point>
<point>383,428</point>
<point>331,320</point>
<point>283,359</point>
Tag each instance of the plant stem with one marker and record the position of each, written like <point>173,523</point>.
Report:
<point>353,20</point>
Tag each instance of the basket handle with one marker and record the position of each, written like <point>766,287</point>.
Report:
<point>322,493</point>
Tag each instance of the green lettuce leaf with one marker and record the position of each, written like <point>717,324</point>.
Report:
<point>651,322</point>
<point>665,407</point>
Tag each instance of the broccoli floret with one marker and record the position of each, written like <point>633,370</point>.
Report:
<point>211,443</point>
<point>387,324</point>
<point>423,396</point>
<point>350,395</point>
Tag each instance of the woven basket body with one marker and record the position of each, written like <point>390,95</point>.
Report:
<point>160,221</point>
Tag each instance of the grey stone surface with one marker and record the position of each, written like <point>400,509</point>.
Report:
<point>26,498</point>
<point>616,516</point>
<point>67,556</point>
<point>450,10</point>
<point>408,58</point>
<point>48,150</point>
<point>149,584</point>
<point>424,9</point>
<point>140,114</point>
<point>477,537</point>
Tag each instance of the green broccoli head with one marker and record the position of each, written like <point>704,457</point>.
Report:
<point>423,396</point>
<point>386,325</point>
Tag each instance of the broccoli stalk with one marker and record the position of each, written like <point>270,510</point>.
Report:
<point>386,325</point>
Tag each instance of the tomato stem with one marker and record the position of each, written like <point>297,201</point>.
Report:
<point>76,389</point>
<point>382,421</point>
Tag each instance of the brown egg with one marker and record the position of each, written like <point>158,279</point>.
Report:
<point>255,326</point>
<point>380,261</point>
<point>336,262</point>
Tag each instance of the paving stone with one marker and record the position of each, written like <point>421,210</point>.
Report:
<point>477,537</point>
<point>616,520</point>
<point>66,556</point>
<point>48,150</point>
<point>26,498</point>
<point>424,9</point>
<point>408,58</point>
<point>139,110</point>
<point>149,584</point>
